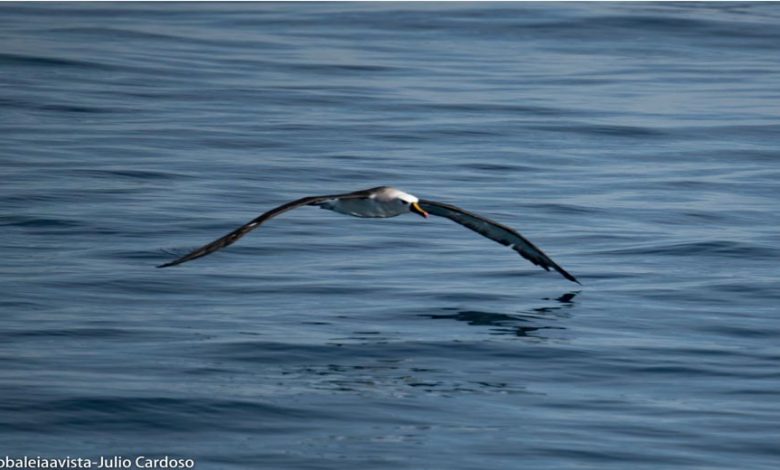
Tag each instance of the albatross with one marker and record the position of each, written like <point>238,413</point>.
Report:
<point>383,202</point>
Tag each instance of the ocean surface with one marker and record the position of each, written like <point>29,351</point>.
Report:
<point>637,144</point>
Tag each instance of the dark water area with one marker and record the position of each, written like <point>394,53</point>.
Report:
<point>638,144</point>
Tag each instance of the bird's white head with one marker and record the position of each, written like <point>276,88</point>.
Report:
<point>406,199</point>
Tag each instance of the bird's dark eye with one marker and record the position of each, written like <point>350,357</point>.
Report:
<point>405,202</point>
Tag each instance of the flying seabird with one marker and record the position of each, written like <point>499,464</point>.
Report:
<point>384,202</point>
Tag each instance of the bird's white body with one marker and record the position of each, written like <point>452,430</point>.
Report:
<point>384,203</point>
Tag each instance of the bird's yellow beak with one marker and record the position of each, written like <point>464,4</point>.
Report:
<point>418,210</point>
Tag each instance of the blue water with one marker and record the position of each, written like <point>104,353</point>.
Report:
<point>637,144</point>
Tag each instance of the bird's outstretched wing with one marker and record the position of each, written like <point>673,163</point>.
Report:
<point>233,236</point>
<point>497,232</point>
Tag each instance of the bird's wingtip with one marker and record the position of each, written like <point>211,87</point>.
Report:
<point>568,276</point>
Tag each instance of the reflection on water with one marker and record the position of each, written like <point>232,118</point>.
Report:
<point>398,371</point>
<point>522,323</point>
<point>396,378</point>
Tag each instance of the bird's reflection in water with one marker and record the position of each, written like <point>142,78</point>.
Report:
<point>524,323</point>
<point>371,363</point>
